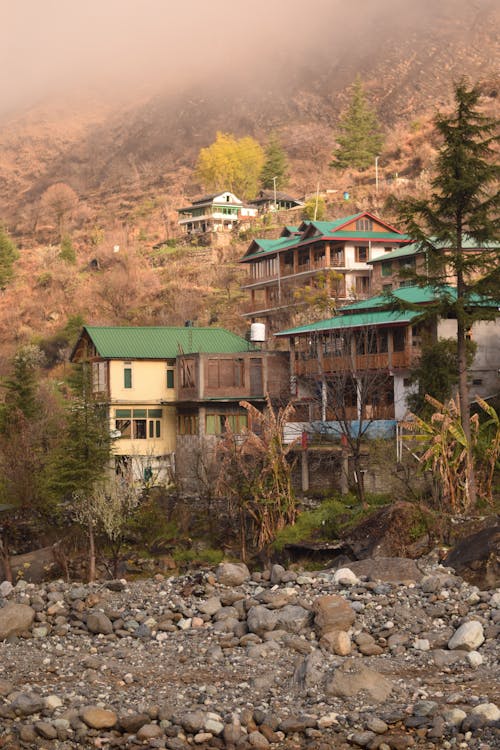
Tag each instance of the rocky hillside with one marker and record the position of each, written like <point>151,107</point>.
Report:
<point>385,654</point>
<point>128,164</point>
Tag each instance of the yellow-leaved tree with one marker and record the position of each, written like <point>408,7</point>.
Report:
<point>231,163</point>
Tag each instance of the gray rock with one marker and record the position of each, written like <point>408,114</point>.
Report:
<point>293,618</point>
<point>26,704</point>
<point>261,620</point>
<point>360,679</point>
<point>15,619</point>
<point>468,637</point>
<point>232,574</point>
<point>98,622</point>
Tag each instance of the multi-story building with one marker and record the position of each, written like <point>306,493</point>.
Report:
<point>167,388</point>
<point>369,349</point>
<point>219,212</point>
<point>335,254</point>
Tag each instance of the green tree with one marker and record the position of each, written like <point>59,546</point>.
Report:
<point>435,374</point>
<point>359,135</point>
<point>231,164</point>
<point>315,209</point>
<point>85,451</point>
<point>462,207</point>
<point>30,422</point>
<point>67,252</point>
<point>274,173</point>
<point>8,256</point>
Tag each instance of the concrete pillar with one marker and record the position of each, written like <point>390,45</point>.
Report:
<point>305,470</point>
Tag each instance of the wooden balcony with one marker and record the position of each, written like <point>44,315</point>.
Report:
<point>307,365</point>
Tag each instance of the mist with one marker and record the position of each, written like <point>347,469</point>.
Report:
<point>123,47</point>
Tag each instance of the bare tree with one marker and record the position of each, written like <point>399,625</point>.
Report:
<point>59,201</point>
<point>351,388</point>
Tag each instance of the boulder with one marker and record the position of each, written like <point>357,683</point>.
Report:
<point>332,613</point>
<point>359,679</point>
<point>232,574</point>
<point>476,557</point>
<point>468,637</point>
<point>14,619</point>
<point>261,620</point>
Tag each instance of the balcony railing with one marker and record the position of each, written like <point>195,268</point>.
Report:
<point>314,366</point>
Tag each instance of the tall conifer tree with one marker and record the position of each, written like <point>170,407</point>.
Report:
<point>461,210</point>
<point>359,138</point>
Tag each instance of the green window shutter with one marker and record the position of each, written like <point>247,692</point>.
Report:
<point>170,378</point>
<point>158,428</point>
<point>127,377</point>
<point>155,413</point>
<point>151,428</point>
<point>123,413</point>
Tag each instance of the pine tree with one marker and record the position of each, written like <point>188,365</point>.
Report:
<point>8,256</point>
<point>85,451</point>
<point>463,206</point>
<point>360,138</point>
<point>275,170</point>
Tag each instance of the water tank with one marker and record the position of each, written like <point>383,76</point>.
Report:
<point>258,332</point>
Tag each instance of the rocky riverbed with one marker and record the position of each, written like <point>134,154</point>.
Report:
<point>387,654</point>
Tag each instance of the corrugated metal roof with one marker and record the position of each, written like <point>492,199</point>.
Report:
<point>356,320</point>
<point>163,342</point>
<point>415,248</point>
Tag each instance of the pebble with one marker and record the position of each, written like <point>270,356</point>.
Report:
<point>233,659</point>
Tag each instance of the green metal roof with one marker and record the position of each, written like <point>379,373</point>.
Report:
<point>412,295</point>
<point>415,248</point>
<point>420,295</point>
<point>356,320</point>
<point>162,342</point>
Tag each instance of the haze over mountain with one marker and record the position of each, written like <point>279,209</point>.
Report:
<point>120,96</point>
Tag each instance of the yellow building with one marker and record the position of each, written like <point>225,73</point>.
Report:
<point>134,372</point>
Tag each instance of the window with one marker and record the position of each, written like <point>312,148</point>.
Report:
<point>361,254</point>
<point>132,424</point>
<point>362,284</point>
<point>364,225</point>
<point>99,377</point>
<point>387,268</point>
<point>405,284</point>
<point>127,375</point>
<point>386,287</point>
<point>170,378</point>
<point>215,424</point>
<point>187,424</point>
<point>225,373</point>
<point>477,381</point>
<point>187,373</point>
<point>398,339</point>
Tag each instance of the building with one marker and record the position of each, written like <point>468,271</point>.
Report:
<point>167,388</point>
<point>270,200</point>
<point>336,253</point>
<point>394,270</point>
<point>219,212</point>
<point>367,351</point>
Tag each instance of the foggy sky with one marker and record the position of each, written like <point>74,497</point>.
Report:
<point>48,46</point>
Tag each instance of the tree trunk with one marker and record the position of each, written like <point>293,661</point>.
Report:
<point>91,572</point>
<point>5,557</point>
<point>463,390</point>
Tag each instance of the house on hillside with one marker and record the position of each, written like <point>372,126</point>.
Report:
<point>219,212</point>
<point>370,342</point>
<point>305,255</point>
<point>392,270</point>
<point>269,200</point>
<point>167,388</point>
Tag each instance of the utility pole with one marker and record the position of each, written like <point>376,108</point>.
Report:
<point>376,173</point>
<point>275,202</point>
<point>317,201</point>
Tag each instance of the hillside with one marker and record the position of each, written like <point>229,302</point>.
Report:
<point>130,161</point>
